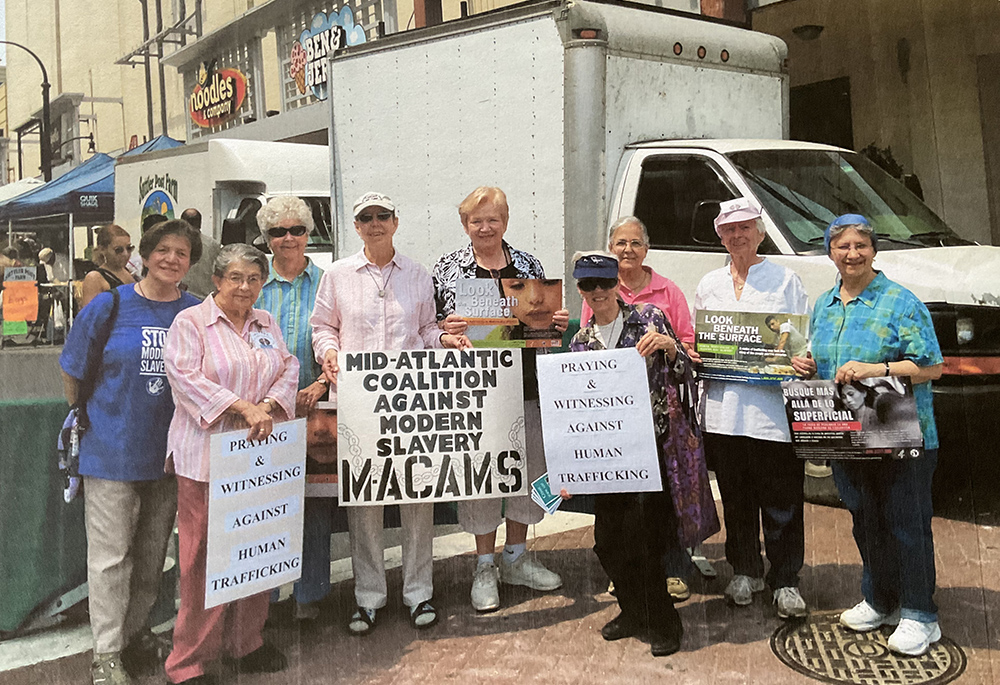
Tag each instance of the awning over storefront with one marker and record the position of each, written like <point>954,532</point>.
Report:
<point>87,192</point>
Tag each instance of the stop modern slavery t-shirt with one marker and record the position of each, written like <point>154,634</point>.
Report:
<point>131,407</point>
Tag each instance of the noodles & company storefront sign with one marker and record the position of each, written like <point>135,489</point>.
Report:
<point>218,95</point>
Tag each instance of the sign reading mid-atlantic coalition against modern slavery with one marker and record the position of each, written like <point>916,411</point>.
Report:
<point>430,425</point>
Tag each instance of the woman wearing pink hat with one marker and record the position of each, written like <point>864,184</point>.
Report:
<point>746,432</point>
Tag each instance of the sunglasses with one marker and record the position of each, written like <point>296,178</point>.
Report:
<point>280,231</point>
<point>367,218</point>
<point>590,284</point>
<point>120,249</point>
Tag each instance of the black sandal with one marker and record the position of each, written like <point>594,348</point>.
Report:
<point>423,609</point>
<point>361,616</point>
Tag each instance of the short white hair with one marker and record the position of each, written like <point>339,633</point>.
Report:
<point>626,221</point>
<point>284,207</point>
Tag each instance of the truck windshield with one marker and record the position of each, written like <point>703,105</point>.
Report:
<point>804,190</point>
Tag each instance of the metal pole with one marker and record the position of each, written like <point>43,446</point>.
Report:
<point>145,66</point>
<point>45,146</point>
<point>159,69</point>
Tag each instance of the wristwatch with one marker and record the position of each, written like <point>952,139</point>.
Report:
<point>269,403</point>
<point>886,368</point>
<point>322,380</point>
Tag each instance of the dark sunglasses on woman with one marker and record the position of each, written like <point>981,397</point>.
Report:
<point>367,218</point>
<point>120,248</point>
<point>589,284</point>
<point>280,231</point>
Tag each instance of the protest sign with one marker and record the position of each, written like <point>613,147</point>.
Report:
<point>255,512</point>
<point>510,312</point>
<point>430,425</point>
<point>597,422</point>
<point>869,419</point>
<point>20,294</point>
<point>749,346</point>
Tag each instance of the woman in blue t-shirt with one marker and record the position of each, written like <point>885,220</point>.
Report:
<point>130,502</point>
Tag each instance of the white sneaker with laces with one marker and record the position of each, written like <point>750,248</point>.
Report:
<point>530,573</point>
<point>914,638</point>
<point>790,603</point>
<point>485,591</point>
<point>863,617</point>
<point>741,588</point>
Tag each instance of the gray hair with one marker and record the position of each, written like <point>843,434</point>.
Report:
<point>833,232</point>
<point>240,252</point>
<point>284,207</point>
<point>625,221</point>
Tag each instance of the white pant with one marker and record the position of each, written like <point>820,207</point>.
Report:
<point>128,526</point>
<point>368,554</point>
<point>483,516</point>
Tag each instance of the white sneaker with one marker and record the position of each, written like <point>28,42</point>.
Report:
<point>485,591</point>
<point>863,617</point>
<point>741,588</point>
<point>530,573</point>
<point>914,638</point>
<point>790,603</point>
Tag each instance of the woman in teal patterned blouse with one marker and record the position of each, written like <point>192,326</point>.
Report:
<point>867,326</point>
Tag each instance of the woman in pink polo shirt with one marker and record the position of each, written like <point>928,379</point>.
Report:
<point>629,241</point>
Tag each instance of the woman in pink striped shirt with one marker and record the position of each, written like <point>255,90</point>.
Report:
<point>228,368</point>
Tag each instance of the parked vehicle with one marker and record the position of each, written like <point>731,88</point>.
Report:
<point>584,112</point>
<point>227,181</point>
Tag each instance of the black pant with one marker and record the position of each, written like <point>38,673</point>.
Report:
<point>631,534</point>
<point>761,482</point>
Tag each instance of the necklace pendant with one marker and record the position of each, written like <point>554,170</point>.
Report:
<point>381,293</point>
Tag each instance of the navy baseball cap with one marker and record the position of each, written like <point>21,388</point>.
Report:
<point>594,265</point>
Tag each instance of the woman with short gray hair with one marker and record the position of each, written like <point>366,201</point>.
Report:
<point>289,294</point>
<point>628,240</point>
<point>229,369</point>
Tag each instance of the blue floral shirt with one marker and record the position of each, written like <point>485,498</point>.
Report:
<point>884,323</point>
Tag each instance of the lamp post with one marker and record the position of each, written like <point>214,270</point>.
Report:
<point>92,147</point>
<point>45,145</point>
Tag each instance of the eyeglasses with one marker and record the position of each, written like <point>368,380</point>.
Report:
<point>367,218</point>
<point>239,279</point>
<point>280,231</point>
<point>634,244</point>
<point>590,284</point>
<point>120,249</point>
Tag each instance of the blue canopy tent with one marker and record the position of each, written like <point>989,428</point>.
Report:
<point>47,215</point>
<point>87,191</point>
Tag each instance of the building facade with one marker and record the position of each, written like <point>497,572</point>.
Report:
<point>920,81</point>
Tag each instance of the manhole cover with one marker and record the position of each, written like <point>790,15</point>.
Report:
<point>822,649</point>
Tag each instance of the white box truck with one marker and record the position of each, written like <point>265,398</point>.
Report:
<point>227,181</point>
<point>587,111</point>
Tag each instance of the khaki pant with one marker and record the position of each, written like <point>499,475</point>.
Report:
<point>128,526</point>
<point>483,516</point>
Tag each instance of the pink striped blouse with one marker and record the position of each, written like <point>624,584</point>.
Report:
<point>210,365</point>
<point>350,315</point>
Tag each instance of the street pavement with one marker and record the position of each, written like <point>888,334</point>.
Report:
<point>554,637</point>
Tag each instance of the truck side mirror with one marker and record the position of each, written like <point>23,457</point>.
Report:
<point>703,223</point>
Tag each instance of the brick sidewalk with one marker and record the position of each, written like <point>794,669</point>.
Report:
<point>554,637</point>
